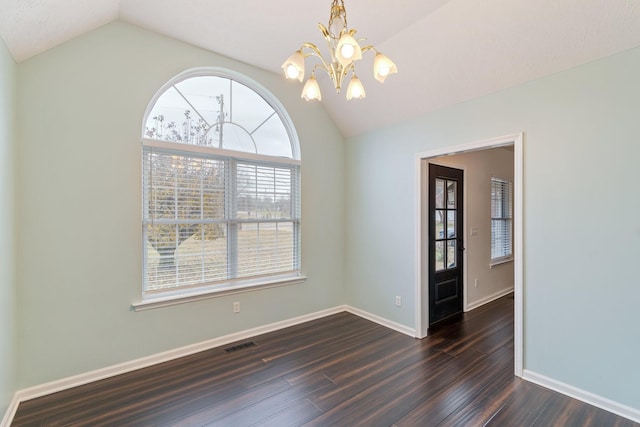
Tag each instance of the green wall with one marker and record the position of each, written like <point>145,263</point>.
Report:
<point>581,217</point>
<point>8,83</point>
<point>80,115</point>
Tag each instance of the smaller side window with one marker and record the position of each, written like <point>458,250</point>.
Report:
<point>501,219</point>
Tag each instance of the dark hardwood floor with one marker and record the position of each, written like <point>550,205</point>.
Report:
<point>337,371</point>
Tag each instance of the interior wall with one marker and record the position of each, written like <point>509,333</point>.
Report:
<point>581,223</point>
<point>8,83</point>
<point>483,282</point>
<point>80,115</point>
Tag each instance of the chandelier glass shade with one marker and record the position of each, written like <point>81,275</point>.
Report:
<point>345,51</point>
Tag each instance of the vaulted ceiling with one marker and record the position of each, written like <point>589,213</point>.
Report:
<point>447,51</point>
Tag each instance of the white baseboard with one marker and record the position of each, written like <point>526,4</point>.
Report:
<point>584,396</point>
<point>382,321</point>
<point>88,377</point>
<point>11,411</point>
<point>110,371</point>
<point>488,299</point>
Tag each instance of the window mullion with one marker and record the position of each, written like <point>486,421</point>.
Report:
<point>202,226</point>
<point>230,214</point>
<point>177,230</point>
<point>231,101</point>
<point>295,206</point>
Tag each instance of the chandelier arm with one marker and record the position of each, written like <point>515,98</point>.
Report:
<point>334,74</point>
<point>318,66</point>
<point>314,51</point>
<point>346,70</point>
<point>337,77</point>
<point>330,42</point>
<point>325,32</point>
<point>368,47</point>
<point>340,75</point>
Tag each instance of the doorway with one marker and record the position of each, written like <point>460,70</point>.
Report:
<point>423,250</point>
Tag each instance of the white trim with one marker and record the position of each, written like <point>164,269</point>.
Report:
<point>382,321</point>
<point>144,362</point>
<point>515,140</point>
<point>609,405</point>
<point>488,299</point>
<point>499,261</point>
<point>518,253</point>
<point>11,411</point>
<point>270,98</point>
<point>420,236</point>
<point>179,147</point>
<point>501,141</point>
<point>150,302</point>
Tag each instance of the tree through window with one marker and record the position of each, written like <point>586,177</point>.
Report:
<point>221,182</point>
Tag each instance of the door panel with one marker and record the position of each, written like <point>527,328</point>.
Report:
<point>445,242</point>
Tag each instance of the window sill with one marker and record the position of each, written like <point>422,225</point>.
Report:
<point>500,261</point>
<point>149,303</point>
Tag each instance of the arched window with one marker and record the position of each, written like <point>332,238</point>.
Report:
<point>221,180</point>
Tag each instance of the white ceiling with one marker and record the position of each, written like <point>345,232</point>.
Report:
<point>447,51</point>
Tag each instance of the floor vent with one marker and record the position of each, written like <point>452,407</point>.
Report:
<point>240,346</point>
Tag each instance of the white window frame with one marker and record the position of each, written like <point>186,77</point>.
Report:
<point>506,217</point>
<point>154,299</point>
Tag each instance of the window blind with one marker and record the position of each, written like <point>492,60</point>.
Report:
<point>212,219</point>
<point>501,218</point>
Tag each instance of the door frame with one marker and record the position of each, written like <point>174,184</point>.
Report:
<point>422,249</point>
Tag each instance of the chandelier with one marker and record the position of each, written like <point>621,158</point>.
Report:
<point>345,51</point>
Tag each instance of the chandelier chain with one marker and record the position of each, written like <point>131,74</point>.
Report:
<point>336,11</point>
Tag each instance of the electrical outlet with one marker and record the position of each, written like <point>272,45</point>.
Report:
<point>475,283</point>
<point>398,301</point>
<point>236,307</point>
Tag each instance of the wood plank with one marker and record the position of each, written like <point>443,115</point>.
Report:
<point>487,377</point>
<point>339,370</point>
